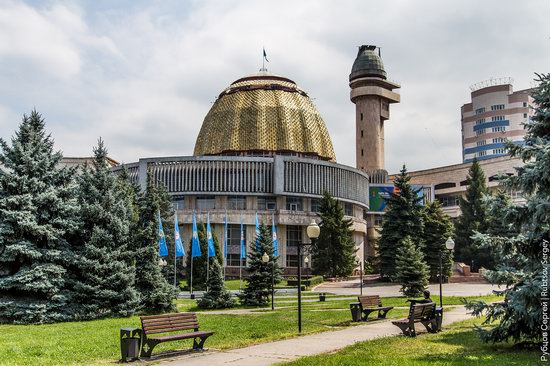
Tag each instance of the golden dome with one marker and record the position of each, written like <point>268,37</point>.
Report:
<point>264,113</point>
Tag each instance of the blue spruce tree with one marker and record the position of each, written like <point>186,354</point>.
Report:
<point>105,273</point>
<point>37,211</point>
<point>522,238</point>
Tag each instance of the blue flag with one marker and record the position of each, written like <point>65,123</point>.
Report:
<point>209,238</point>
<point>195,245</point>
<point>180,251</point>
<point>225,236</point>
<point>163,249</point>
<point>243,246</point>
<point>275,241</point>
<point>257,234</point>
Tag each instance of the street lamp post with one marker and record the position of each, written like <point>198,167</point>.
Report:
<point>313,232</point>
<point>265,259</point>
<point>449,244</point>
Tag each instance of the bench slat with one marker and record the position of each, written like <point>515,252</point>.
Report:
<point>182,321</point>
<point>168,315</point>
<point>168,330</point>
<point>182,326</point>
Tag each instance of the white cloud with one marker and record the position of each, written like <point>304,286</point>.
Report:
<point>143,75</point>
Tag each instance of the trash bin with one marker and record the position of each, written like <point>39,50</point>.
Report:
<point>439,318</point>
<point>130,343</point>
<point>322,296</point>
<point>355,308</point>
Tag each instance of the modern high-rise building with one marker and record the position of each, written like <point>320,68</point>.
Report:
<point>495,114</point>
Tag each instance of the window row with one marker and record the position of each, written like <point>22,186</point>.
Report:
<point>206,203</point>
<point>497,107</point>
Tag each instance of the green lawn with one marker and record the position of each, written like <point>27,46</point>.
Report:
<point>236,284</point>
<point>456,346</point>
<point>96,342</point>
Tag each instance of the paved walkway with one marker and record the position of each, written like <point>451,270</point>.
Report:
<point>386,290</point>
<point>291,349</point>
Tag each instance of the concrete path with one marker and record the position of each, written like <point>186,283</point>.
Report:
<point>386,290</point>
<point>291,349</point>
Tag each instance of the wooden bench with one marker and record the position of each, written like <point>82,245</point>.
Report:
<point>373,303</point>
<point>171,323</point>
<point>418,313</point>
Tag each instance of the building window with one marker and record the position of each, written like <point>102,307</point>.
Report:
<point>267,203</point>
<point>234,234</point>
<point>481,153</point>
<point>497,107</point>
<point>499,129</point>
<point>316,204</point>
<point>348,208</point>
<point>448,201</point>
<point>524,104</point>
<point>292,260</point>
<point>236,203</point>
<point>378,219</point>
<point>361,152</point>
<point>480,121</point>
<point>293,236</point>
<point>361,133</point>
<point>178,203</point>
<point>481,143</point>
<point>361,116</point>
<point>480,110</point>
<point>480,132</point>
<point>294,203</point>
<point>499,151</point>
<point>499,140</point>
<point>524,115</point>
<point>234,260</point>
<point>206,203</point>
<point>497,118</point>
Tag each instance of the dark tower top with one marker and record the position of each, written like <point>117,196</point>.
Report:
<point>367,63</point>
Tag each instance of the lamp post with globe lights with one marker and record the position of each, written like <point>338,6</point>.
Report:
<point>313,232</point>
<point>449,244</point>
<point>265,260</point>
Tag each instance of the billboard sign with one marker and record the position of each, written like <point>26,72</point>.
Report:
<point>379,193</point>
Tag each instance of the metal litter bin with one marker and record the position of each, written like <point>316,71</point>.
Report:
<point>130,343</point>
<point>355,308</point>
<point>439,318</point>
<point>322,296</point>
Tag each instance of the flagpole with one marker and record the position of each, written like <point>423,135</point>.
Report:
<point>191,254</point>
<point>175,257</point>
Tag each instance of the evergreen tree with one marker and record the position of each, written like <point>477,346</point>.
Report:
<point>473,218</point>
<point>410,269</point>
<point>258,282</point>
<point>106,273</point>
<point>402,218</point>
<point>156,294</point>
<point>38,210</point>
<point>199,263</point>
<point>497,208</point>
<point>437,229</point>
<point>333,253</point>
<point>521,262</point>
<point>217,296</point>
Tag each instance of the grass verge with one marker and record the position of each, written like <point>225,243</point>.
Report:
<point>457,345</point>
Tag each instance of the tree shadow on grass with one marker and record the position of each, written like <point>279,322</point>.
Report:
<point>472,351</point>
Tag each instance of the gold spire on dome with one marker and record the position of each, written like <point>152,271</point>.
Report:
<point>264,112</point>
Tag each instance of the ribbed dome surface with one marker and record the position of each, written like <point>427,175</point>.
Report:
<point>264,112</point>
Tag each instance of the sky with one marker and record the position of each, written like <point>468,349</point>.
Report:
<point>143,74</point>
